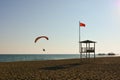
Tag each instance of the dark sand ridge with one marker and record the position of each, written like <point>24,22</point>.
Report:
<point>71,69</point>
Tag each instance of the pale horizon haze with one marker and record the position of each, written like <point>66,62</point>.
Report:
<point>21,21</point>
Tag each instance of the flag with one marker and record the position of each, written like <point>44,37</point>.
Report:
<point>81,24</point>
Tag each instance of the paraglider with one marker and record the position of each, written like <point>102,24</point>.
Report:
<point>36,39</point>
<point>43,49</point>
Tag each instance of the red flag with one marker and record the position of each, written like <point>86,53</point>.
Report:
<point>82,25</point>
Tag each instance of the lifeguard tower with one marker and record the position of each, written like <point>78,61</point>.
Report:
<point>87,47</point>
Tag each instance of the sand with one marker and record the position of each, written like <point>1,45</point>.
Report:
<point>70,69</point>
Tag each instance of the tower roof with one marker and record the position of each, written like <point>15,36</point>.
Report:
<point>87,41</point>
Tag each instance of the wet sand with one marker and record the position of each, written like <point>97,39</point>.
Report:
<point>70,69</point>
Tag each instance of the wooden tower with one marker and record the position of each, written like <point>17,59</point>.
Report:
<point>87,47</point>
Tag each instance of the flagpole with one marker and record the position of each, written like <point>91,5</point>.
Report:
<point>79,42</point>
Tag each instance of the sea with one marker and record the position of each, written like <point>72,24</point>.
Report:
<point>39,57</point>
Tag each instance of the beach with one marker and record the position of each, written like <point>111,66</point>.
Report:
<point>107,68</point>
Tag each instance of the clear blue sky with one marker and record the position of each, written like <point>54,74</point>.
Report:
<point>21,21</point>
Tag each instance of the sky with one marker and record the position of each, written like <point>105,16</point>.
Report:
<point>21,21</point>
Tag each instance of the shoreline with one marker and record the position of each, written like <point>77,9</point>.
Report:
<point>105,68</point>
<point>43,57</point>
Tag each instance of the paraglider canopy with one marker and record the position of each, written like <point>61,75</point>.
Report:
<point>40,38</point>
